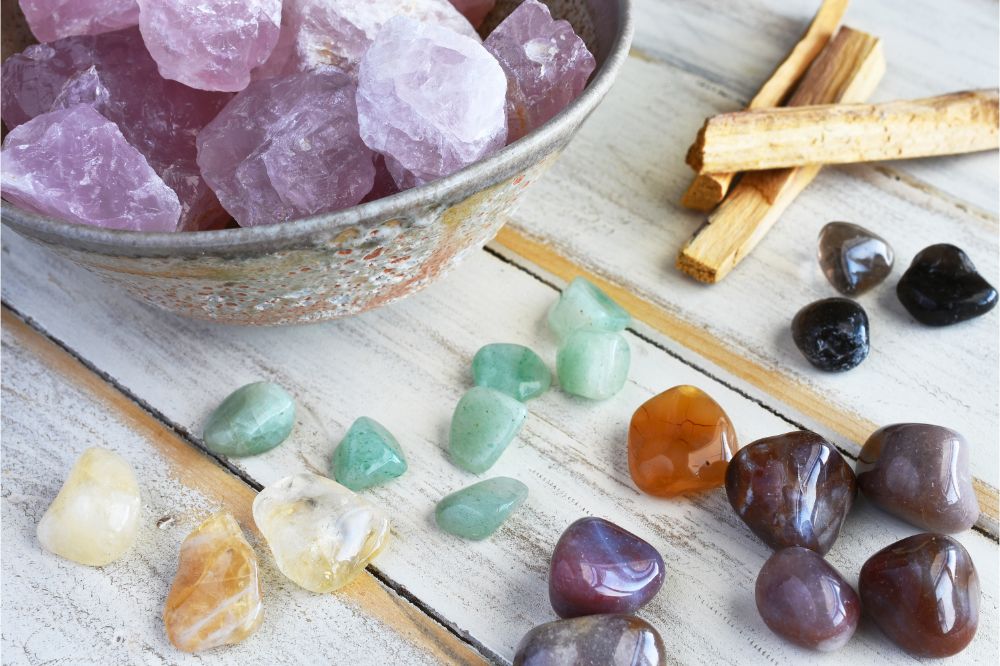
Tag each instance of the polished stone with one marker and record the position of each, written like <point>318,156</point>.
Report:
<point>806,601</point>
<point>511,369</point>
<point>484,423</point>
<point>94,519</point>
<point>599,567</point>
<point>582,305</point>
<point>680,441</point>
<point>595,640</point>
<point>792,490</point>
<point>367,456</point>
<point>477,511</point>
<point>941,287</point>
<point>593,364</point>
<point>832,334</point>
<point>322,535</point>
<point>923,593</point>
<point>920,473</point>
<point>853,259</point>
<point>252,420</point>
<point>216,598</point>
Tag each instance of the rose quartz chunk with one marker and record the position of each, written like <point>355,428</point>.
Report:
<point>115,74</point>
<point>210,44</point>
<point>430,100</point>
<point>286,148</point>
<point>50,20</point>
<point>338,32</point>
<point>546,63</point>
<point>474,10</point>
<point>75,165</point>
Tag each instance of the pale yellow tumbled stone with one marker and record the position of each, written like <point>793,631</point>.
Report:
<point>322,534</point>
<point>95,517</point>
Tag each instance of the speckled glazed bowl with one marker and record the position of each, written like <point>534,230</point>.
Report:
<point>350,261</point>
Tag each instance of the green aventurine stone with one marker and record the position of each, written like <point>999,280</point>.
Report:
<point>477,511</point>
<point>252,420</point>
<point>484,423</point>
<point>367,456</point>
<point>593,364</point>
<point>582,306</point>
<point>511,369</point>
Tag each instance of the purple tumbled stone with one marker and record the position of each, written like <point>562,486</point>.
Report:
<point>806,601</point>
<point>474,10</point>
<point>50,20</point>
<point>595,640</point>
<point>598,567</point>
<point>338,32</point>
<point>210,44</point>
<point>286,148</point>
<point>546,63</point>
<point>75,165</point>
<point>115,74</point>
<point>430,100</point>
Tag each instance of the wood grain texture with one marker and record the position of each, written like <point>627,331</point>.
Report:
<point>54,408</point>
<point>406,366</point>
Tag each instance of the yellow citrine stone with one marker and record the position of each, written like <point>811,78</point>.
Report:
<point>216,597</point>
<point>95,517</point>
<point>322,534</point>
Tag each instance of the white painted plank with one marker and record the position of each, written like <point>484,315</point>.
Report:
<point>406,365</point>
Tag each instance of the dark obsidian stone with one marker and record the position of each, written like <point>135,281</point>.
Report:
<point>941,287</point>
<point>832,334</point>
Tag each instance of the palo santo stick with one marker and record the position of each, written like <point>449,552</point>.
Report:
<point>708,189</point>
<point>962,122</point>
<point>848,70</point>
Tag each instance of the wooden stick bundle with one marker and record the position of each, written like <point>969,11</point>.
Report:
<point>847,70</point>
<point>708,189</point>
<point>844,133</point>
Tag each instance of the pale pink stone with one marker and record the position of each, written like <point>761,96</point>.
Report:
<point>286,148</point>
<point>430,100</point>
<point>74,164</point>
<point>338,32</point>
<point>546,63</point>
<point>114,72</point>
<point>210,44</point>
<point>50,20</point>
<point>474,10</point>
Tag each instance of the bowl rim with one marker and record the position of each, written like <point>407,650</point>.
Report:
<point>503,164</point>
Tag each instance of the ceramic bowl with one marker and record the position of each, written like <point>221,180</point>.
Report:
<point>346,262</point>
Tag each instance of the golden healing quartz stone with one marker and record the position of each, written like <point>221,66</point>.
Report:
<point>216,597</point>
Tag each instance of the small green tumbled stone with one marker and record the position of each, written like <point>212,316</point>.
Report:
<point>477,511</point>
<point>582,306</point>
<point>593,364</point>
<point>253,419</point>
<point>484,423</point>
<point>367,456</point>
<point>511,369</point>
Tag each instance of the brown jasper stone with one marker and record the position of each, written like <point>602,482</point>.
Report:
<point>923,593</point>
<point>680,441</point>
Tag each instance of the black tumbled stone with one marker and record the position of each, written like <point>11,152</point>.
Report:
<point>941,287</point>
<point>832,334</point>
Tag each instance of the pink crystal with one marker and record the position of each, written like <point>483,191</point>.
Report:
<point>338,32</point>
<point>546,63</point>
<point>430,100</point>
<point>210,44</point>
<point>474,10</point>
<point>50,20</point>
<point>75,165</point>
<point>384,184</point>
<point>286,148</point>
<point>114,72</point>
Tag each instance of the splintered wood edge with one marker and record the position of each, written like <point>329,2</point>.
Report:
<point>197,471</point>
<point>802,398</point>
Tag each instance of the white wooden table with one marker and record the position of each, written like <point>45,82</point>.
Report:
<point>83,365</point>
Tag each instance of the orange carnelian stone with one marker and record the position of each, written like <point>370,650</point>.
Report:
<point>680,441</point>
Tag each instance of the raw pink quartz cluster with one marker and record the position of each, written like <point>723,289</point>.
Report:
<point>339,102</point>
